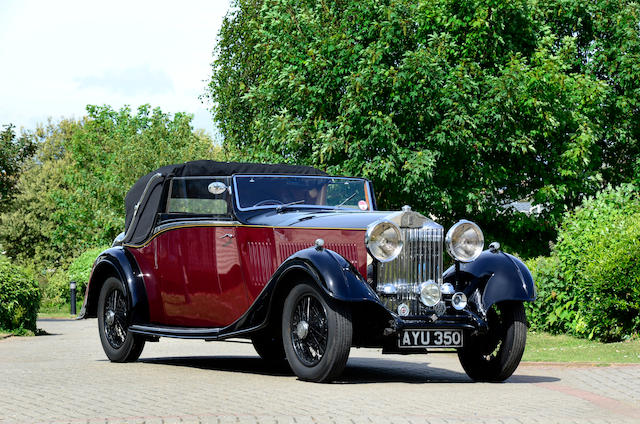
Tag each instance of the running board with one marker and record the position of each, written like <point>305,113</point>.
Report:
<point>177,332</point>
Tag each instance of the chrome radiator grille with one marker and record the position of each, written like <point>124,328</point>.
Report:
<point>419,261</point>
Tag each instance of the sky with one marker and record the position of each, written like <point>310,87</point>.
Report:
<point>56,57</point>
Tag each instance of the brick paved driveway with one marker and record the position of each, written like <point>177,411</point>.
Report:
<point>64,377</point>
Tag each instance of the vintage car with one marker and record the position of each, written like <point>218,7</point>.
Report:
<point>305,266</point>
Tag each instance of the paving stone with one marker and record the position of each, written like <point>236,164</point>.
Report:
<point>65,377</point>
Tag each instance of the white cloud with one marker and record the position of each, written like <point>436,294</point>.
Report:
<point>57,57</point>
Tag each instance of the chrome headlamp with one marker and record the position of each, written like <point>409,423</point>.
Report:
<point>464,241</point>
<point>383,240</point>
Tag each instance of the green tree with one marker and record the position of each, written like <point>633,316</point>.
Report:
<point>13,152</point>
<point>71,196</point>
<point>27,226</point>
<point>457,107</point>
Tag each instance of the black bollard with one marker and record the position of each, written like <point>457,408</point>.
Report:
<point>72,289</point>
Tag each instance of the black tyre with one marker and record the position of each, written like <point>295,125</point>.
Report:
<point>268,346</point>
<point>118,343</point>
<point>495,356</point>
<point>316,334</point>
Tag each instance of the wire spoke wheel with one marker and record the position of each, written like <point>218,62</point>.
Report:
<point>316,333</point>
<point>118,343</point>
<point>114,319</point>
<point>309,330</point>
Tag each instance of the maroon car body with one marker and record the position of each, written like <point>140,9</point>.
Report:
<point>305,266</point>
<point>192,289</point>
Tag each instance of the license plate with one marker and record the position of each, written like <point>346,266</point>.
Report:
<point>430,338</point>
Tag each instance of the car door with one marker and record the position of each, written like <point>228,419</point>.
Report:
<point>199,277</point>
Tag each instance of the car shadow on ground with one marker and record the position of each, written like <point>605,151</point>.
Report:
<point>243,364</point>
<point>357,371</point>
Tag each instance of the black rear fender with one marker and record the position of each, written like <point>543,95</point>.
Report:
<point>119,263</point>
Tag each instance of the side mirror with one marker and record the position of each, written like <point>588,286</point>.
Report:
<point>217,188</point>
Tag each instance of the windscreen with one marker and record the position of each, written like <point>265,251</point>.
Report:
<point>273,191</point>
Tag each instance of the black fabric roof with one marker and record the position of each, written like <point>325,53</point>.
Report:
<point>209,167</point>
<point>149,207</point>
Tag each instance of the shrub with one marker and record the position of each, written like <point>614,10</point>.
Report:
<point>554,307</point>
<point>57,289</point>
<point>595,267</point>
<point>80,269</point>
<point>19,298</point>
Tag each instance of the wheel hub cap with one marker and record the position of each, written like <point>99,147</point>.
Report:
<point>110,318</point>
<point>302,330</point>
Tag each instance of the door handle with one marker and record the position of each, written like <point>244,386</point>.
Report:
<point>229,235</point>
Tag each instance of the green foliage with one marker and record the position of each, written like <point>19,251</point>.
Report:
<point>27,226</point>
<point>456,107</point>
<point>599,255</point>
<point>554,307</point>
<point>56,292</point>
<point>19,298</point>
<point>71,195</point>
<point>80,269</point>
<point>13,152</point>
<point>590,286</point>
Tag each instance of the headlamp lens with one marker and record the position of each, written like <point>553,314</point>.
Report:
<point>464,241</point>
<point>384,240</point>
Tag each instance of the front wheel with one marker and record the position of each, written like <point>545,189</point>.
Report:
<point>118,342</point>
<point>316,334</point>
<point>495,356</point>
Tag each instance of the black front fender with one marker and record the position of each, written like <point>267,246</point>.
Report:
<point>117,262</point>
<point>500,277</point>
<point>329,271</point>
<point>333,273</point>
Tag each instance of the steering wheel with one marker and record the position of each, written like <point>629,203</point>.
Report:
<point>269,202</point>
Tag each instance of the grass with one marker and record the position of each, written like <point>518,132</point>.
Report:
<point>50,311</point>
<point>21,332</point>
<point>544,347</point>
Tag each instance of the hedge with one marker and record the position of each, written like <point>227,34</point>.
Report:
<point>590,285</point>
<point>19,298</point>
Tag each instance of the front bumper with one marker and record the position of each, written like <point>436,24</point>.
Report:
<point>465,320</point>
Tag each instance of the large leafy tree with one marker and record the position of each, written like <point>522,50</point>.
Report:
<point>457,107</point>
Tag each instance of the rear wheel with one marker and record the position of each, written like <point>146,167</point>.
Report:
<point>496,355</point>
<point>316,334</point>
<point>118,342</point>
